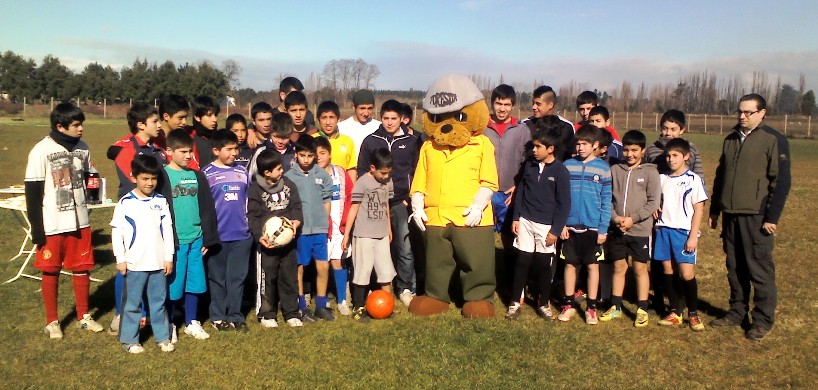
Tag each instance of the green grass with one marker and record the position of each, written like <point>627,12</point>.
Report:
<point>409,352</point>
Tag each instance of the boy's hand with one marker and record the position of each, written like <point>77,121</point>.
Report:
<point>550,239</point>
<point>657,213</point>
<point>713,221</point>
<point>204,250</point>
<point>565,233</point>
<point>515,227</point>
<point>601,238</point>
<point>263,241</point>
<point>122,267</point>
<point>390,235</point>
<point>692,243</point>
<point>510,193</point>
<point>626,224</point>
<point>252,140</point>
<point>168,268</point>
<point>296,223</point>
<point>345,243</point>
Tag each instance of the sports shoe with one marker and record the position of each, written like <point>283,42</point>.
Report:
<point>89,324</point>
<point>359,314</point>
<point>134,348</point>
<point>240,327</point>
<point>671,320</point>
<point>195,329</point>
<point>307,316</point>
<point>590,317</point>
<point>343,308</point>
<point>166,346</point>
<point>268,323</point>
<point>113,329</point>
<point>513,311</point>
<point>757,333</point>
<point>724,322</point>
<point>406,297</point>
<point>53,330</point>
<point>174,335</point>
<point>221,326</point>
<point>611,313</point>
<point>324,314</point>
<point>696,324</point>
<point>567,312</point>
<point>546,312</point>
<point>294,322</point>
<point>642,319</point>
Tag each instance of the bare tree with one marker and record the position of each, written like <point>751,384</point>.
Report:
<point>232,70</point>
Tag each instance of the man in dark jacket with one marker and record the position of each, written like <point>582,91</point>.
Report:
<point>750,189</point>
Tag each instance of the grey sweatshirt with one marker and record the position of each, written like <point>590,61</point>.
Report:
<point>636,194</point>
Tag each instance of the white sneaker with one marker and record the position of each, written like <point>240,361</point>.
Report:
<point>174,336</point>
<point>53,330</point>
<point>294,322</point>
<point>546,312</point>
<point>343,308</point>
<point>113,329</point>
<point>513,311</point>
<point>89,324</point>
<point>134,348</point>
<point>167,346</point>
<point>406,297</point>
<point>195,329</point>
<point>269,323</point>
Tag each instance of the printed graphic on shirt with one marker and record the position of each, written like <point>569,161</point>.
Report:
<point>277,201</point>
<point>186,187</point>
<point>66,173</point>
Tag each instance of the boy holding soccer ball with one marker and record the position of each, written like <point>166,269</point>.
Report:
<point>273,195</point>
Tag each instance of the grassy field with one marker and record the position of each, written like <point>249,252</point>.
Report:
<point>408,352</point>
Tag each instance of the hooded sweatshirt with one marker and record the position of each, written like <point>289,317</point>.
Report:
<point>636,193</point>
<point>265,201</point>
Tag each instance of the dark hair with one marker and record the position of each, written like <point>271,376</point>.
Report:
<point>546,93</point>
<point>295,98</point>
<point>143,163</point>
<point>391,105</point>
<point>171,104</point>
<point>605,138</point>
<point>381,158</point>
<point>179,138</point>
<point>65,113</point>
<point>674,116</point>
<point>268,160</point>
<point>406,111</point>
<point>305,143</point>
<point>550,123</point>
<point>600,110</point>
<point>259,108</point>
<point>328,106</point>
<point>588,133</point>
<point>222,138</point>
<point>761,103</point>
<point>504,91</point>
<point>546,137</point>
<point>281,125</point>
<point>289,83</point>
<point>635,137</point>
<point>139,113</point>
<point>323,142</point>
<point>587,97</point>
<point>678,145</point>
<point>233,119</point>
<point>202,105</point>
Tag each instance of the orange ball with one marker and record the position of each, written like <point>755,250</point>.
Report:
<point>380,304</point>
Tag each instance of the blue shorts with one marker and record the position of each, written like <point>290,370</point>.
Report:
<point>188,271</point>
<point>311,246</point>
<point>670,245</point>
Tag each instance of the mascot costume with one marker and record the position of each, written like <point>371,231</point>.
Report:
<point>451,191</point>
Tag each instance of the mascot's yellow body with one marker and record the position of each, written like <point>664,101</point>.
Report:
<point>451,192</point>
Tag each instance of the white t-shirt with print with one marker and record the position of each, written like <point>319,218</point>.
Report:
<point>679,194</point>
<point>355,130</point>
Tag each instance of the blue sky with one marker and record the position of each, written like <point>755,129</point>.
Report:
<point>598,44</point>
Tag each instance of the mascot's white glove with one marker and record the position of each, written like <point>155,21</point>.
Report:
<point>418,215</point>
<point>474,213</point>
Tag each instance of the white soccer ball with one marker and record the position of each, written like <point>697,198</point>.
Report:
<point>279,231</point>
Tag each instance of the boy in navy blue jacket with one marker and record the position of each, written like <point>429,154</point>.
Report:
<point>541,206</point>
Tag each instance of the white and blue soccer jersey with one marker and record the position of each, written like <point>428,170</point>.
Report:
<point>142,232</point>
<point>679,194</point>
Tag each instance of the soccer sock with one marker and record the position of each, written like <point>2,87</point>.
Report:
<point>543,265</point>
<point>49,288</point>
<point>617,301</point>
<point>521,267</point>
<point>302,302</point>
<point>320,302</point>
<point>358,296</point>
<point>119,284</point>
<point>591,303</point>
<point>340,284</point>
<point>642,305</point>
<point>81,283</point>
<point>569,301</point>
<point>191,307</point>
<point>670,291</point>
<point>692,296</point>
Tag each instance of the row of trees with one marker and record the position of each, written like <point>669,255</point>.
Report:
<point>22,78</point>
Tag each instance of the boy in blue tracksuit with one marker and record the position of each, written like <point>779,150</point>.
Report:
<point>588,221</point>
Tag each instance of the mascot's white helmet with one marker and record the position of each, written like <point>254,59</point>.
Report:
<point>278,231</point>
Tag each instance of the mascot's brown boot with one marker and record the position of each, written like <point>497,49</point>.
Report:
<point>425,306</point>
<point>478,309</point>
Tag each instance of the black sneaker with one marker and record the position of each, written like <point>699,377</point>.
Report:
<point>221,326</point>
<point>324,314</point>
<point>724,322</point>
<point>359,314</point>
<point>239,327</point>
<point>307,316</point>
<point>757,333</point>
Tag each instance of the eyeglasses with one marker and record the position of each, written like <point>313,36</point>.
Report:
<point>746,113</point>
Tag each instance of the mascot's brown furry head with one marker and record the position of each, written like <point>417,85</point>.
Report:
<point>454,111</point>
